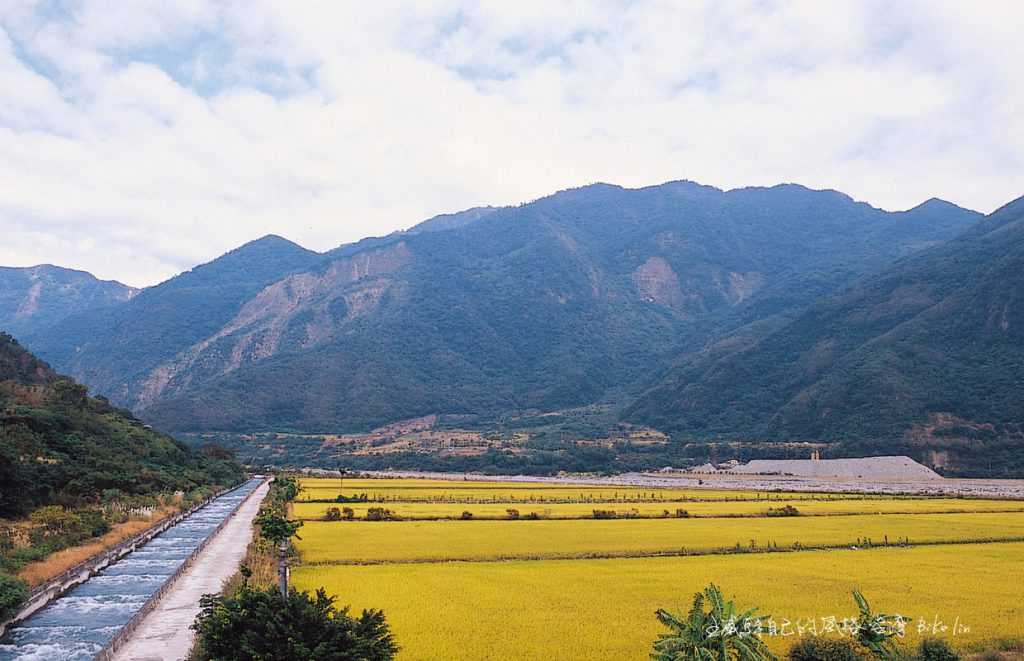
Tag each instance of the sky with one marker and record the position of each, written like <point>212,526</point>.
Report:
<point>140,138</point>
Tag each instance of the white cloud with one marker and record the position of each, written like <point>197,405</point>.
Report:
<point>139,139</point>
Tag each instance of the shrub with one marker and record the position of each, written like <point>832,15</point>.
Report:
<point>333,514</point>
<point>604,514</point>
<point>466,515</point>
<point>936,649</point>
<point>263,624</point>
<point>13,593</point>
<point>512,514</point>
<point>682,514</point>
<point>814,648</point>
<point>55,519</point>
<point>348,513</point>
<point>787,510</point>
<point>379,514</point>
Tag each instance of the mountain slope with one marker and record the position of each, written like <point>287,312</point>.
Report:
<point>41,296</point>
<point>111,349</point>
<point>927,355</point>
<point>58,445</point>
<point>573,299</point>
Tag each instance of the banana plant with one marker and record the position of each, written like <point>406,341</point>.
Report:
<point>877,631</point>
<point>713,630</point>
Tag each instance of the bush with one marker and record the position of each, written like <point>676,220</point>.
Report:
<point>348,513</point>
<point>261,624</point>
<point>682,514</point>
<point>466,515</point>
<point>512,514</point>
<point>825,649</point>
<point>605,514</point>
<point>333,514</point>
<point>13,593</point>
<point>787,510</point>
<point>379,514</point>
<point>936,649</point>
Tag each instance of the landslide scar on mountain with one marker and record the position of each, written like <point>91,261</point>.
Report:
<point>256,331</point>
<point>29,306</point>
<point>656,282</point>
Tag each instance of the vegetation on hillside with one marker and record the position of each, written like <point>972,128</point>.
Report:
<point>928,356</point>
<point>59,446</point>
<point>575,298</point>
<point>72,465</point>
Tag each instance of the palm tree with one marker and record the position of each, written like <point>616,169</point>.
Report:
<point>720,633</point>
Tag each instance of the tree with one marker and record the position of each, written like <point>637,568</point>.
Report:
<point>13,593</point>
<point>263,624</point>
<point>279,531</point>
<point>720,633</point>
<point>877,631</point>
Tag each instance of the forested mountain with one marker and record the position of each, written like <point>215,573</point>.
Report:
<point>575,298</point>
<point>40,296</point>
<point>928,356</point>
<point>112,349</point>
<point>58,445</point>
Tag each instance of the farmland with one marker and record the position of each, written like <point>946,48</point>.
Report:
<point>737,508</point>
<point>492,587</point>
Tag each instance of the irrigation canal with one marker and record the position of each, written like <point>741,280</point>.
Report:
<point>77,625</point>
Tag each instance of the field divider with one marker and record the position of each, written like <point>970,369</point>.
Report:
<point>653,517</point>
<point>669,553</point>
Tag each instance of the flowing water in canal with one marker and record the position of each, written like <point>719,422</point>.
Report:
<point>78,624</point>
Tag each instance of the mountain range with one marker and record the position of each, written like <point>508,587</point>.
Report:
<point>927,354</point>
<point>40,296</point>
<point>755,314</point>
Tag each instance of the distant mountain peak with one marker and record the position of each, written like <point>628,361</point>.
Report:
<point>270,240</point>
<point>936,204</point>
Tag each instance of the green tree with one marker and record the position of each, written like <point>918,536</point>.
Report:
<point>721,632</point>
<point>13,593</point>
<point>279,531</point>
<point>262,624</point>
<point>877,631</point>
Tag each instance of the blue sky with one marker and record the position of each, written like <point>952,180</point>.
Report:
<point>140,138</point>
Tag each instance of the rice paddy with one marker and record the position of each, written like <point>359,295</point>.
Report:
<point>419,510</point>
<point>604,609</point>
<point>566,587</point>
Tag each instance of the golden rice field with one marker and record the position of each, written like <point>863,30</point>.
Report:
<point>421,510</point>
<point>411,490</point>
<point>580,588</point>
<point>603,610</point>
<point>363,541</point>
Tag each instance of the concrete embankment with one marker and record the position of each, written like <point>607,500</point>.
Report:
<point>97,601</point>
<point>164,631</point>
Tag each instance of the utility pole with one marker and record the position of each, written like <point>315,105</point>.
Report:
<point>282,568</point>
